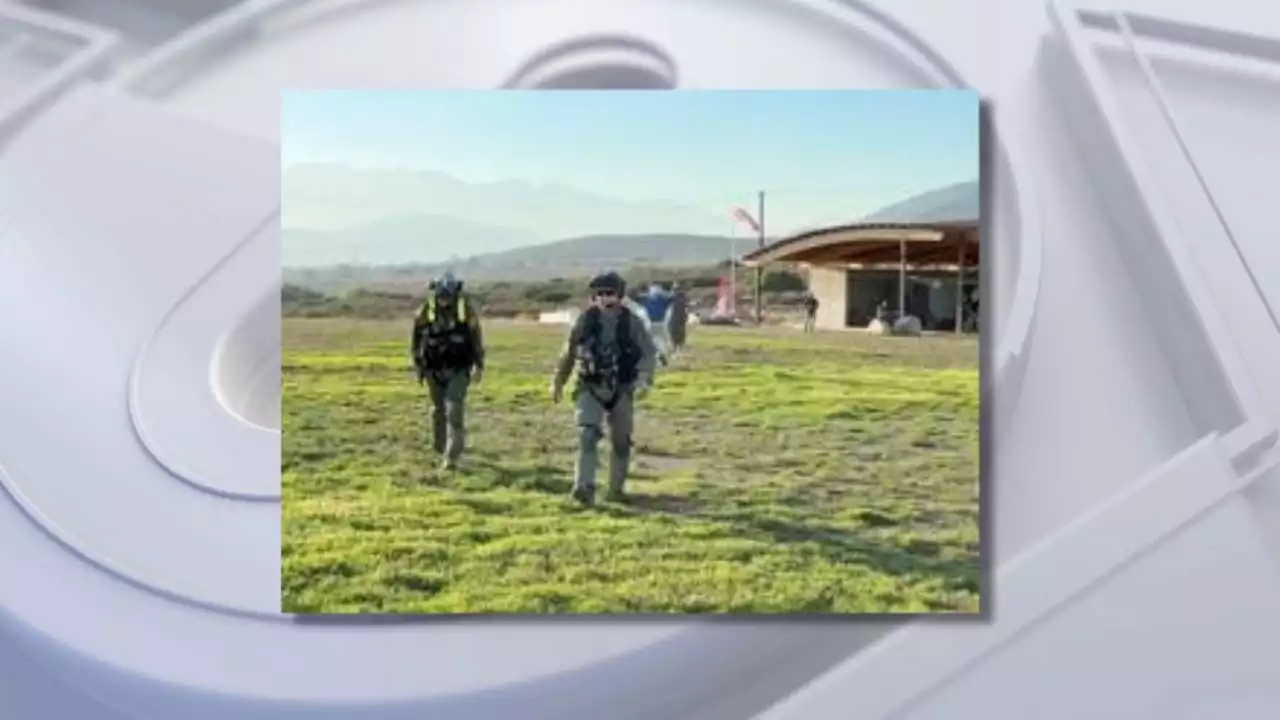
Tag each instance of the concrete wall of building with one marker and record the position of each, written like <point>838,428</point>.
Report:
<point>831,287</point>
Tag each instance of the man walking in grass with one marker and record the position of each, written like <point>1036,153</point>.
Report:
<point>657,308</point>
<point>448,353</point>
<point>613,355</point>
<point>678,320</point>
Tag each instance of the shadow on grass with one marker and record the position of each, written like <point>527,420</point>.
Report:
<point>845,546</point>
<point>660,504</point>
<point>838,545</point>
<point>541,477</point>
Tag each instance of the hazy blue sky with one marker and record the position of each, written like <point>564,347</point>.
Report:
<point>821,156</point>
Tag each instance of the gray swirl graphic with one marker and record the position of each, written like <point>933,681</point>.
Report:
<point>176,541</point>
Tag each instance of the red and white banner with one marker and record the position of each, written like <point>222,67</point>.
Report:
<point>724,299</point>
<point>744,216</point>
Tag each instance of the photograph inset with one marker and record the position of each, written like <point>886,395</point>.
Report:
<point>630,352</point>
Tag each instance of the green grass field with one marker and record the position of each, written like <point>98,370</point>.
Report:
<point>774,473</point>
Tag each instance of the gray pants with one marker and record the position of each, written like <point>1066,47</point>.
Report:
<point>595,410</point>
<point>448,411</point>
<point>810,322</point>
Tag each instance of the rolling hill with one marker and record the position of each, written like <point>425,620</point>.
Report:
<point>486,253</point>
<point>574,257</point>
<point>961,201</point>
<point>328,196</point>
<point>398,241</point>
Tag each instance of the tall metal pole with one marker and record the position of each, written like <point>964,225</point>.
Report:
<point>902,278</point>
<point>733,271</point>
<point>960,285</point>
<point>760,270</point>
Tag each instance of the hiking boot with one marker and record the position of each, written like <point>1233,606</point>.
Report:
<point>617,496</point>
<point>448,465</point>
<point>583,496</point>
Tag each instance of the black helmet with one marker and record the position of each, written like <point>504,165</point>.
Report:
<point>608,281</point>
<point>446,285</point>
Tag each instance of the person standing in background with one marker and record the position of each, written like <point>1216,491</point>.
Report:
<point>810,312</point>
<point>678,320</point>
<point>657,309</point>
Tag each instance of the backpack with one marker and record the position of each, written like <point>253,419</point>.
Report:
<point>615,364</point>
<point>446,346</point>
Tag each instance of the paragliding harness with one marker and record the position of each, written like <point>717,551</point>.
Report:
<point>447,343</point>
<point>607,366</point>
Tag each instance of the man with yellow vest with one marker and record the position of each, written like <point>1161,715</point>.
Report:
<point>448,352</point>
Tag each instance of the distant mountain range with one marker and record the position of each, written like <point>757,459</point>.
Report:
<point>331,196</point>
<point>398,241</point>
<point>953,203</point>
<point>384,251</point>
<point>575,257</point>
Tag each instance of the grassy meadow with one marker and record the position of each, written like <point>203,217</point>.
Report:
<point>773,472</point>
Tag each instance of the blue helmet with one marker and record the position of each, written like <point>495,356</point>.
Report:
<point>447,285</point>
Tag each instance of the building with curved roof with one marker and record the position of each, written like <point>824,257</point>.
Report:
<point>919,257</point>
